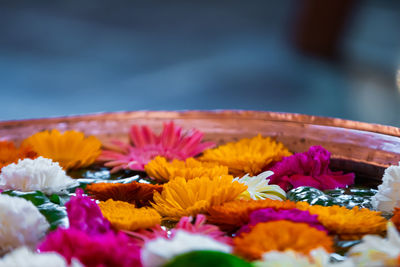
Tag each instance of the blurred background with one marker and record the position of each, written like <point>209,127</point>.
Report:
<point>329,58</point>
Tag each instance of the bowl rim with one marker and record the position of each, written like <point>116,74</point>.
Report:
<point>229,113</point>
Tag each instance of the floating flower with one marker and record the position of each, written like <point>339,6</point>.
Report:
<point>232,215</point>
<point>310,168</point>
<point>85,215</point>
<point>125,216</point>
<point>36,174</point>
<point>158,251</point>
<point>289,258</point>
<point>10,154</point>
<point>106,250</point>
<point>21,223</point>
<point>349,224</point>
<point>187,198</point>
<point>293,215</point>
<point>24,257</point>
<point>249,155</point>
<point>396,218</point>
<point>388,195</point>
<point>136,193</point>
<point>377,251</point>
<point>163,171</point>
<point>258,187</point>
<point>280,235</point>
<point>71,149</point>
<point>198,226</point>
<point>171,144</point>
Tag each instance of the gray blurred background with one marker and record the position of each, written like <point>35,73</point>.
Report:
<point>329,58</point>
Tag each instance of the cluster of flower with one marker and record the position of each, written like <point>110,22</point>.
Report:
<point>205,205</point>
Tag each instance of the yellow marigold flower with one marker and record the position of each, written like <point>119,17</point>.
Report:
<point>280,236</point>
<point>187,198</point>
<point>124,216</point>
<point>163,171</point>
<point>71,149</point>
<point>232,215</point>
<point>348,224</point>
<point>247,156</point>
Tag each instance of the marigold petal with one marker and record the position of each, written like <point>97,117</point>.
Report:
<point>11,154</point>
<point>125,216</point>
<point>232,215</point>
<point>348,224</point>
<point>281,235</point>
<point>187,198</point>
<point>163,171</point>
<point>247,156</point>
<point>71,148</point>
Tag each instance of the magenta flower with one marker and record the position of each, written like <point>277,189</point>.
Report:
<point>199,226</point>
<point>309,168</point>
<point>171,144</point>
<point>294,215</point>
<point>107,250</point>
<point>85,215</point>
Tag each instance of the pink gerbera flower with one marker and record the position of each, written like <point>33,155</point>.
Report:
<point>199,226</point>
<point>172,143</point>
<point>310,168</point>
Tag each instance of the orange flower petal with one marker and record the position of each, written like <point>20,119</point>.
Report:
<point>10,154</point>
<point>136,193</point>
<point>232,215</point>
<point>280,235</point>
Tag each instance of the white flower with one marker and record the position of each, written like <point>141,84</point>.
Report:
<point>21,223</point>
<point>289,258</point>
<point>23,257</point>
<point>35,174</point>
<point>158,251</point>
<point>388,196</point>
<point>377,251</point>
<point>258,187</point>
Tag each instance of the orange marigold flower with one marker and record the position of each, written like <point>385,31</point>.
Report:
<point>125,216</point>
<point>187,198</point>
<point>136,193</point>
<point>71,149</point>
<point>396,219</point>
<point>281,235</point>
<point>10,154</point>
<point>348,224</point>
<point>232,215</point>
<point>162,170</point>
<point>249,155</point>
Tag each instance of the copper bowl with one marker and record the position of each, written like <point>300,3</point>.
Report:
<point>364,148</point>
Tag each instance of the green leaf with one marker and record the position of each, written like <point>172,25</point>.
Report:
<point>207,259</point>
<point>348,198</point>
